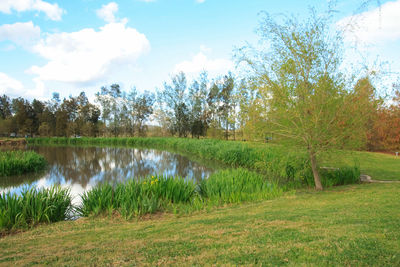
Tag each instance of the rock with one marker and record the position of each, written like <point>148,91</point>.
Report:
<point>365,178</point>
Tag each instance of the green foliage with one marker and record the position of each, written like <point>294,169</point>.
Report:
<point>137,197</point>
<point>157,193</point>
<point>34,206</point>
<point>20,162</point>
<point>309,102</point>
<point>341,176</point>
<point>237,185</point>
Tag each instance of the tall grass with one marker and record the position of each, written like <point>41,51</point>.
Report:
<point>20,162</point>
<point>157,193</point>
<point>278,163</point>
<point>341,176</point>
<point>237,185</point>
<point>137,197</point>
<point>34,206</point>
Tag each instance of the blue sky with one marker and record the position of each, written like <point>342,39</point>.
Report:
<point>71,46</point>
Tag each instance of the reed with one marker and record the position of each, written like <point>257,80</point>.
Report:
<point>237,185</point>
<point>136,197</point>
<point>341,176</point>
<point>20,162</point>
<point>34,206</point>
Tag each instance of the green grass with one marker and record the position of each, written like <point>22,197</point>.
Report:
<point>175,194</point>
<point>32,207</point>
<point>237,185</point>
<point>20,162</point>
<point>379,166</point>
<point>355,225</point>
<point>137,197</point>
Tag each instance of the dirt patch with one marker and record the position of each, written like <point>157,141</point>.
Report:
<point>13,142</point>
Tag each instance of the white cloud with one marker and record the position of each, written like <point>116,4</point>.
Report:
<point>201,62</point>
<point>200,1</point>
<point>14,88</point>
<point>377,25</point>
<point>8,84</point>
<point>87,56</point>
<point>21,33</point>
<point>107,12</point>
<point>52,11</point>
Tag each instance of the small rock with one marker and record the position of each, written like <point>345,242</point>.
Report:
<point>365,178</point>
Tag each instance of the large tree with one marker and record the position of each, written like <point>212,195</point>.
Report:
<point>299,76</point>
<point>173,102</point>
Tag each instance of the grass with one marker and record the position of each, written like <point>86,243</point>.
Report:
<point>137,197</point>
<point>175,194</point>
<point>32,207</point>
<point>20,162</point>
<point>355,225</point>
<point>379,166</point>
<point>237,185</point>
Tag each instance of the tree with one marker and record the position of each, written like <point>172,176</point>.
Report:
<point>173,102</point>
<point>111,101</point>
<point>227,101</point>
<point>197,102</point>
<point>143,108</point>
<point>299,77</point>
<point>5,107</point>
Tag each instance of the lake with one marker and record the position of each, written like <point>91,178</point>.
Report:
<point>81,168</point>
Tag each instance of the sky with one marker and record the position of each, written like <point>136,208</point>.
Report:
<point>71,46</point>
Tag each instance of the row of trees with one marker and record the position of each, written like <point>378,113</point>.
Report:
<point>220,108</point>
<point>71,117</point>
<point>118,113</point>
<point>201,108</point>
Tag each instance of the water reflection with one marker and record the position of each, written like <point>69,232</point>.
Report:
<point>82,168</point>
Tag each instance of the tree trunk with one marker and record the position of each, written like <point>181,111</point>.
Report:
<point>317,180</point>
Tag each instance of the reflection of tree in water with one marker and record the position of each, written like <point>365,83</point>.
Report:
<point>17,180</point>
<point>93,165</point>
<point>72,164</point>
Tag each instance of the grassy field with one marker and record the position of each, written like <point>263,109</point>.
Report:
<point>354,225</point>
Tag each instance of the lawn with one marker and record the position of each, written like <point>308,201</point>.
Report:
<point>356,225</point>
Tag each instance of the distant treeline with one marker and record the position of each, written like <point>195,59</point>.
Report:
<point>223,108</point>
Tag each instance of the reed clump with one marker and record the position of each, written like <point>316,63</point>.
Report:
<point>237,185</point>
<point>157,193</point>
<point>137,197</point>
<point>20,162</point>
<point>34,206</point>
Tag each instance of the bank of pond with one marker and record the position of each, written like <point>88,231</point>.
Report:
<point>249,173</point>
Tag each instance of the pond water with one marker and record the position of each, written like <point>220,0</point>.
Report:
<point>81,168</point>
